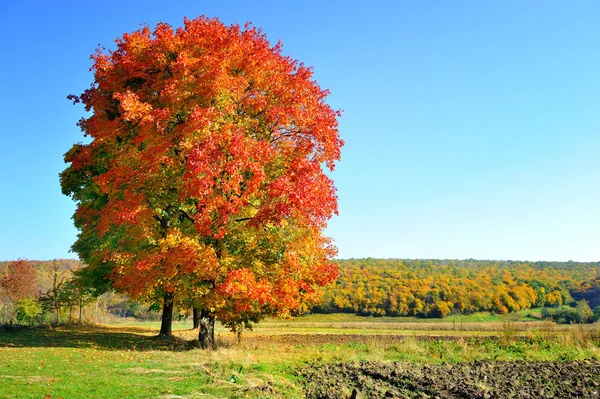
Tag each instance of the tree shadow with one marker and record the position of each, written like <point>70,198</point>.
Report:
<point>96,337</point>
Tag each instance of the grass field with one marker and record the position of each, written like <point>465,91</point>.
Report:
<point>129,361</point>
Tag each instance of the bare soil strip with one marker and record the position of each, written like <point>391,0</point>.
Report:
<point>484,379</point>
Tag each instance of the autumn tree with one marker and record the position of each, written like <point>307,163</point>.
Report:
<point>56,296</point>
<point>19,281</point>
<point>203,181</point>
<point>585,314</point>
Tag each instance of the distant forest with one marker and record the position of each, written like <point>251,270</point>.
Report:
<point>433,288</point>
<point>44,272</point>
<point>437,288</point>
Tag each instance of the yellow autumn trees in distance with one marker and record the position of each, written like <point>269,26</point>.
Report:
<point>437,288</point>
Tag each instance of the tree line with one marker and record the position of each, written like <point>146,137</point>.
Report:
<point>46,292</point>
<point>569,292</point>
<point>438,288</point>
<point>55,292</point>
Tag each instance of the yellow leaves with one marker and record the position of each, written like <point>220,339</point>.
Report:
<point>554,298</point>
<point>186,255</point>
<point>173,239</point>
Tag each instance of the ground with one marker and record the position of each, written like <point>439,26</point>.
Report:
<point>317,356</point>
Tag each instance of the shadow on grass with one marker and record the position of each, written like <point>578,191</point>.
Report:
<point>97,337</point>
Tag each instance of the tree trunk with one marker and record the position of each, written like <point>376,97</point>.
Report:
<point>196,313</point>
<point>206,332</point>
<point>80,310</point>
<point>166,325</point>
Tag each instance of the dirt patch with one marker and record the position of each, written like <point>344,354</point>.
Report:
<point>33,379</point>
<point>38,379</point>
<point>484,379</point>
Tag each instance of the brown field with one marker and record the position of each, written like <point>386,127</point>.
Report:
<point>477,380</point>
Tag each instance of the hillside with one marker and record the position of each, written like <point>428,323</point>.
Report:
<point>436,288</point>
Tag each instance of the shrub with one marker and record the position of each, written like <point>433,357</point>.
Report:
<point>584,312</point>
<point>597,313</point>
<point>28,310</point>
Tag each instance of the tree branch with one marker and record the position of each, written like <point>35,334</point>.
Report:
<point>186,216</point>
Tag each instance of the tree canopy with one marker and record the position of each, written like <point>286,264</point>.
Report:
<point>204,178</point>
<point>19,281</point>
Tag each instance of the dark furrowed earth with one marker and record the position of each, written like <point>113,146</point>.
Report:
<point>482,379</point>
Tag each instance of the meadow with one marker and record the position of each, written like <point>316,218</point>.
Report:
<point>284,358</point>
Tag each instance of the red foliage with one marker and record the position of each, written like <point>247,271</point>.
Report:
<point>19,280</point>
<point>206,140</point>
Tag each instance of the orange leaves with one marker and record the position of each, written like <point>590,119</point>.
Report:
<point>241,286</point>
<point>19,281</point>
<point>325,273</point>
<point>310,193</point>
<point>277,273</point>
<point>128,211</point>
<point>134,109</point>
<point>205,171</point>
<point>80,156</point>
<point>224,172</point>
<point>244,119</point>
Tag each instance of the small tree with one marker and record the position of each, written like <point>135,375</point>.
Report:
<point>547,313</point>
<point>54,299</point>
<point>584,312</point>
<point>5,303</point>
<point>75,293</point>
<point>19,281</point>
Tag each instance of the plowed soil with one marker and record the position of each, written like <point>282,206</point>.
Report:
<point>577,379</point>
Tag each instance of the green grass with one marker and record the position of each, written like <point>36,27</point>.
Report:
<point>131,362</point>
<point>103,362</point>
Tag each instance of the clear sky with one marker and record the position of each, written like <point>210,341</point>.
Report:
<point>472,129</point>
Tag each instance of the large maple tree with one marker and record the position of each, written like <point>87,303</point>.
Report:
<point>204,177</point>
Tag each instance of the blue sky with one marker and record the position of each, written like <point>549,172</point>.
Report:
<point>472,128</point>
